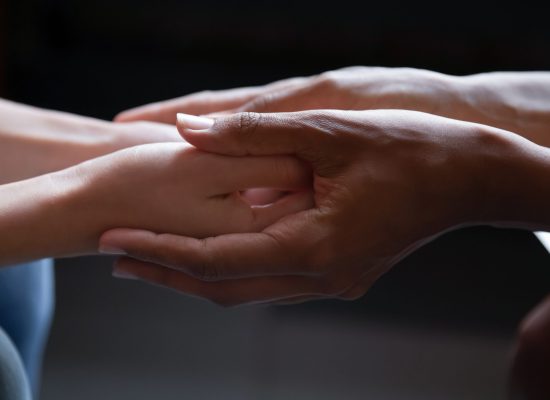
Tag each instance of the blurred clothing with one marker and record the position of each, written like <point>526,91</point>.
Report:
<point>13,379</point>
<point>26,311</point>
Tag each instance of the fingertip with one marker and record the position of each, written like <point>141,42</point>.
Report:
<point>289,206</point>
<point>196,131</point>
<point>116,240</point>
<point>124,116</point>
<point>194,122</point>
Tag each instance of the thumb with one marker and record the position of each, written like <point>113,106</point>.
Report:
<point>252,133</point>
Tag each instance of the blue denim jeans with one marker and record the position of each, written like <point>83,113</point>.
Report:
<point>14,384</point>
<point>26,311</point>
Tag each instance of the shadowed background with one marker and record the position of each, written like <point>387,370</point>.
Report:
<point>439,326</point>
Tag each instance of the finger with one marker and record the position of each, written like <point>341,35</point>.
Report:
<point>275,172</point>
<point>258,197</point>
<point>298,98</point>
<point>255,134</point>
<point>197,103</point>
<point>231,256</point>
<point>264,216</point>
<point>354,292</point>
<point>226,293</point>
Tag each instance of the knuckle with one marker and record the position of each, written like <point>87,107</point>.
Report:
<point>327,79</point>
<point>248,123</point>
<point>242,130</point>
<point>202,263</point>
<point>206,271</point>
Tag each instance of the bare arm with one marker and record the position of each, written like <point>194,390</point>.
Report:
<point>35,141</point>
<point>515,101</point>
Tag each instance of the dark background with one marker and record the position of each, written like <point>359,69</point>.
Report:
<point>440,325</point>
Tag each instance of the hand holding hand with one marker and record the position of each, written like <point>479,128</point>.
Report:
<point>385,183</point>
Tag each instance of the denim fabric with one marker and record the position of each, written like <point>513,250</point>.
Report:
<point>13,379</point>
<point>26,311</point>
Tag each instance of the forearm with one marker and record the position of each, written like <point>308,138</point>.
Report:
<point>34,141</point>
<point>515,101</point>
<point>42,217</point>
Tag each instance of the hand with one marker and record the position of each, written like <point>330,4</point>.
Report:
<point>205,102</point>
<point>164,187</point>
<point>385,183</point>
<point>353,88</point>
<point>518,102</point>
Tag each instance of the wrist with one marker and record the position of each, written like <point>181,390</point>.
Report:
<point>511,181</point>
<point>485,101</point>
<point>52,140</point>
<point>40,218</point>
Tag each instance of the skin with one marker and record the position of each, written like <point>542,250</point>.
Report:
<point>35,141</point>
<point>514,101</point>
<point>139,187</point>
<point>62,213</point>
<point>385,183</point>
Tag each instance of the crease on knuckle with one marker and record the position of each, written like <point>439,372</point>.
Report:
<point>247,125</point>
<point>248,122</point>
<point>204,267</point>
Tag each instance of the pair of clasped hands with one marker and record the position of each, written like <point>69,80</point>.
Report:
<point>369,163</point>
<point>302,189</point>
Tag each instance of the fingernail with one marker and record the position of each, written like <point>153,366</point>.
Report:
<point>117,273</point>
<point>105,249</point>
<point>193,122</point>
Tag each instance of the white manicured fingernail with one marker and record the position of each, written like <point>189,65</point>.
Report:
<point>193,122</point>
